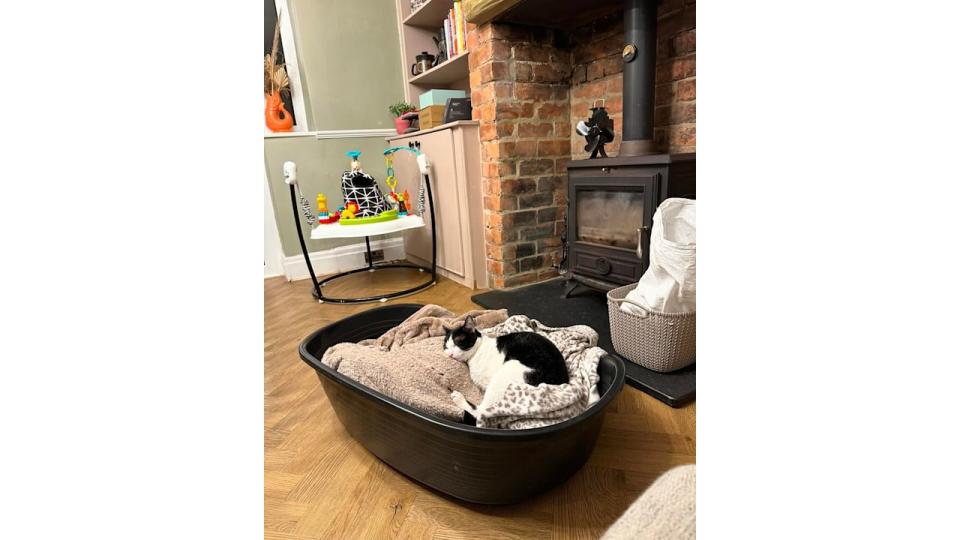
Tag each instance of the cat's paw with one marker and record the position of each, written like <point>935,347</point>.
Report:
<point>461,401</point>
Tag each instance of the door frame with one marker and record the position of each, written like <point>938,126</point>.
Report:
<point>272,248</point>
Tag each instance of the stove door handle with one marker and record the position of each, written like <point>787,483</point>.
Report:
<point>640,240</point>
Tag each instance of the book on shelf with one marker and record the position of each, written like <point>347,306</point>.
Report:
<point>453,32</point>
<point>461,27</point>
<point>446,38</point>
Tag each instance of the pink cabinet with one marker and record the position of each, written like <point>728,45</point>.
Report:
<point>454,151</point>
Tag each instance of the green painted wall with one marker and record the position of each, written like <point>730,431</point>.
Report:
<point>349,55</point>
<point>319,166</point>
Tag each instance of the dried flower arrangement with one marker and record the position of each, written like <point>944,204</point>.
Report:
<point>275,83</point>
<point>275,75</point>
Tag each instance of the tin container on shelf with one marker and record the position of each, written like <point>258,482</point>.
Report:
<point>431,117</point>
<point>439,97</point>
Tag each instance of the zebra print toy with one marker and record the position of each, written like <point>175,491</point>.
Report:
<point>361,188</point>
<point>305,206</point>
<point>421,197</point>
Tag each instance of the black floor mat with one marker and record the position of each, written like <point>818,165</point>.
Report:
<point>544,302</point>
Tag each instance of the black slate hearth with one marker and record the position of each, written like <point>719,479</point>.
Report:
<point>543,301</point>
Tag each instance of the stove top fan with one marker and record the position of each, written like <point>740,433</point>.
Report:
<point>598,130</point>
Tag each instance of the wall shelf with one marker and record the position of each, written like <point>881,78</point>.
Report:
<point>417,30</point>
<point>454,150</point>
<point>562,14</point>
<point>453,70</point>
<point>430,15</point>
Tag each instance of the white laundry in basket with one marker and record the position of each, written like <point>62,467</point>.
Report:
<point>670,283</point>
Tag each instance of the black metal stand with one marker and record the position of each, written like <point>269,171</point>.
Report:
<point>576,280</point>
<point>318,285</point>
<point>569,287</point>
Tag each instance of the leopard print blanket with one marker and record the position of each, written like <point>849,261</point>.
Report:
<point>523,406</point>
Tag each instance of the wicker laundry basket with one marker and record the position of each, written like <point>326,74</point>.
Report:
<point>658,341</point>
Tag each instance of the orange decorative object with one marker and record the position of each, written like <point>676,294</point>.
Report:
<point>278,119</point>
<point>350,211</point>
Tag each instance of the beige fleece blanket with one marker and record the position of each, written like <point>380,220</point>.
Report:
<point>408,364</point>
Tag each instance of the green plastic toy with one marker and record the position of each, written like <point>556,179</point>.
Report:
<point>387,215</point>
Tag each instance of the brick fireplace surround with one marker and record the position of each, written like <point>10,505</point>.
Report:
<point>529,86</point>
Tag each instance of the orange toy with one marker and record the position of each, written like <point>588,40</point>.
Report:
<point>350,211</point>
<point>277,117</point>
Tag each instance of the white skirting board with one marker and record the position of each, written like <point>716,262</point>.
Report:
<point>341,259</point>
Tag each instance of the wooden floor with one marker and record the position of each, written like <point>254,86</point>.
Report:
<point>320,483</point>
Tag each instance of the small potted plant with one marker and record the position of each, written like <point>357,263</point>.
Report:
<point>398,110</point>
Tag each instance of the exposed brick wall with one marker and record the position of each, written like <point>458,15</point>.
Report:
<point>598,74</point>
<point>519,81</point>
<point>675,113</point>
<point>529,86</point>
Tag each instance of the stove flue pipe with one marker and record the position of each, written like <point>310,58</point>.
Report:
<point>639,73</point>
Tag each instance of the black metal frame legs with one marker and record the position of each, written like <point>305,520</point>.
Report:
<point>318,292</point>
<point>371,267</point>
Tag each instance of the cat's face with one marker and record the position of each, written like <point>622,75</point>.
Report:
<point>461,343</point>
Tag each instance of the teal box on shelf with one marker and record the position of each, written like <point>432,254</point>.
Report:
<point>439,97</point>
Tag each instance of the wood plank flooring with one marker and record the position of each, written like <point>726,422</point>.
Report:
<point>320,483</point>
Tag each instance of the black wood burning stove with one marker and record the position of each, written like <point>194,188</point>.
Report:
<point>612,200</point>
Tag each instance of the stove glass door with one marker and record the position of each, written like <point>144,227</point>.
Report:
<point>609,217</point>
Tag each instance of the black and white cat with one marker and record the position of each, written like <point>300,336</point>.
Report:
<point>495,362</point>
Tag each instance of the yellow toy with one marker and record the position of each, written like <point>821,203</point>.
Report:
<point>349,211</point>
<point>391,180</point>
<point>322,206</point>
<point>402,199</point>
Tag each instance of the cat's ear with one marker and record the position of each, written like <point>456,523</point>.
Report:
<point>469,324</point>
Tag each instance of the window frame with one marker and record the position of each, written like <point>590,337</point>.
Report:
<point>289,45</point>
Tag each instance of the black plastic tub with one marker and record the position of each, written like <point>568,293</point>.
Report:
<point>479,465</point>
